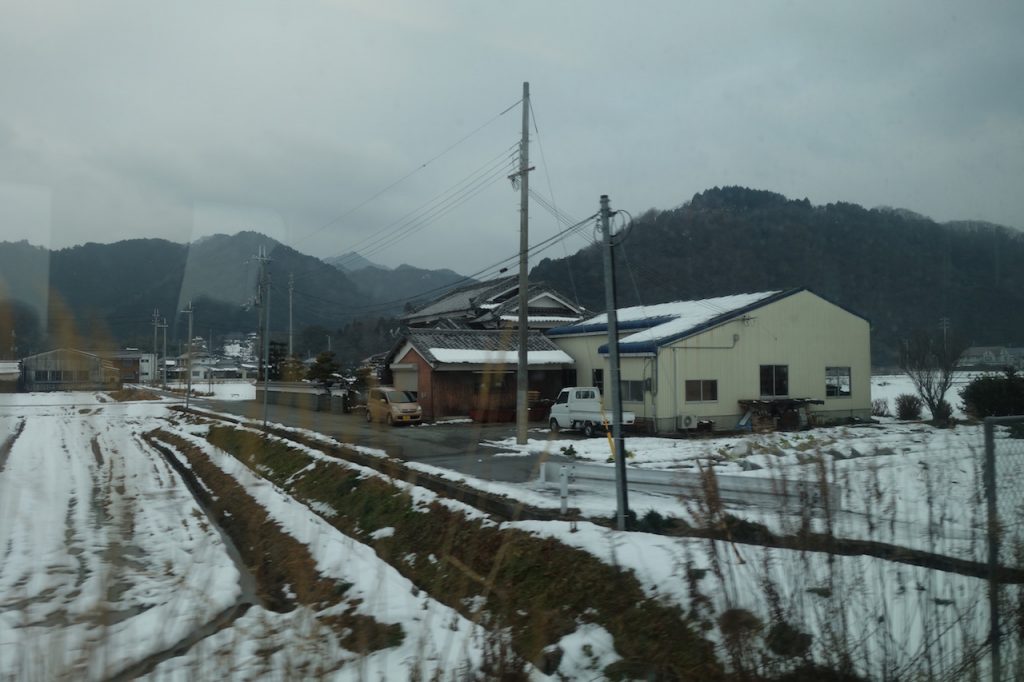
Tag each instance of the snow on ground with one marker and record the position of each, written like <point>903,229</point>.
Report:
<point>437,638</point>
<point>888,386</point>
<point>906,483</point>
<point>120,563</point>
<point>880,612</point>
<point>222,389</point>
<point>106,557</point>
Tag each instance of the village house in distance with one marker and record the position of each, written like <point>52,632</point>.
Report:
<point>459,353</point>
<point>494,304</point>
<point>778,357</point>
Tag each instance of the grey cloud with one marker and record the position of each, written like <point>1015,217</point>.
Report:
<point>165,120</point>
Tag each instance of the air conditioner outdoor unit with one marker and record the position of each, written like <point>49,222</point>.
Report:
<point>688,421</point>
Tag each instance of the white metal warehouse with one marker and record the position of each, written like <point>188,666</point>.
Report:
<point>768,357</point>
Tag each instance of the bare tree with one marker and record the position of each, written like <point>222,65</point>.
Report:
<point>930,359</point>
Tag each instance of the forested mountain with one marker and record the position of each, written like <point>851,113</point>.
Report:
<point>405,284</point>
<point>900,270</point>
<point>103,295</point>
<point>352,261</point>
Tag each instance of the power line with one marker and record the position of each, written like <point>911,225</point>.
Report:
<point>443,209</point>
<point>445,201</point>
<point>554,205</point>
<point>492,269</point>
<point>405,177</point>
<point>492,165</point>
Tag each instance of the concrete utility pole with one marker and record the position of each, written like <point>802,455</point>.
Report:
<point>163,365</point>
<point>613,366</point>
<point>291,288</point>
<point>944,326</point>
<point>263,300</point>
<point>523,372</point>
<point>188,390</point>
<point>156,354</point>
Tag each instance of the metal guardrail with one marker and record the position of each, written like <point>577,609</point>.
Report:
<point>745,489</point>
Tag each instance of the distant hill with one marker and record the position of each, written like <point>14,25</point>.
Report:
<point>897,268</point>
<point>405,285</point>
<point>104,294</point>
<point>353,261</point>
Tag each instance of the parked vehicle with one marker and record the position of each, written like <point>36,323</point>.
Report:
<point>579,407</point>
<point>392,406</point>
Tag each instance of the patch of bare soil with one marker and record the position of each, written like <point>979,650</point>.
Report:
<point>126,395</point>
<point>284,570</point>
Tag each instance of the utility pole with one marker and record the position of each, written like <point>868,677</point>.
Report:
<point>163,365</point>
<point>622,505</point>
<point>944,326</point>
<point>156,325</point>
<point>523,372</point>
<point>291,288</point>
<point>188,390</point>
<point>263,300</point>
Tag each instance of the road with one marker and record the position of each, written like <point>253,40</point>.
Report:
<point>452,446</point>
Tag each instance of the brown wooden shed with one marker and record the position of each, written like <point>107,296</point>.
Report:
<point>470,372</point>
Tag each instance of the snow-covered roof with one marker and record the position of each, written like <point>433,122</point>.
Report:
<point>461,299</point>
<point>478,304</point>
<point>499,357</point>
<point>478,347</point>
<point>538,318</point>
<point>656,325</point>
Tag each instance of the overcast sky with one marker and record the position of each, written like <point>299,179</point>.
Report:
<point>125,118</point>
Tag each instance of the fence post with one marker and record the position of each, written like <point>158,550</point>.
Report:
<point>993,547</point>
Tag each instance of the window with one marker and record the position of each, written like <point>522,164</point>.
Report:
<point>633,391</point>
<point>701,390</point>
<point>774,380</point>
<point>597,379</point>
<point>40,375</point>
<point>563,398</point>
<point>837,382</point>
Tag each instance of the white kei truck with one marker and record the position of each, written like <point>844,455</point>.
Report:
<point>579,407</point>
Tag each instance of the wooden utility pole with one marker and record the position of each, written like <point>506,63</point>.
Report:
<point>523,373</point>
<point>622,503</point>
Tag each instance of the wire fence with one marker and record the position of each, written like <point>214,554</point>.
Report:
<point>1004,497</point>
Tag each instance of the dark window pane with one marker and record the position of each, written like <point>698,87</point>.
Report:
<point>767,380</point>
<point>692,390</point>
<point>710,390</point>
<point>781,380</point>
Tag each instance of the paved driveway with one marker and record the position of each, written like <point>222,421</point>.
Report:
<point>453,446</point>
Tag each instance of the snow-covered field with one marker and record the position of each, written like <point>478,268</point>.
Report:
<point>222,389</point>
<point>107,561</point>
<point>106,558</point>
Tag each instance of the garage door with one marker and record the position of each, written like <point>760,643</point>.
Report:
<point>406,378</point>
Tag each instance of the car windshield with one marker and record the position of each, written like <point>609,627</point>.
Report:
<point>399,397</point>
